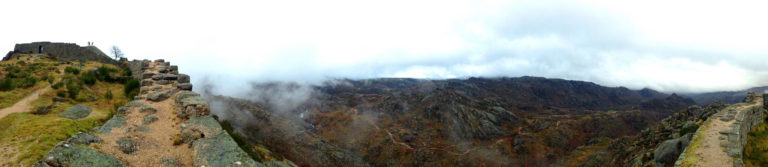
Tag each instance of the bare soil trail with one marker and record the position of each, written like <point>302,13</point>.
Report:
<point>152,145</point>
<point>710,152</point>
<point>24,104</point>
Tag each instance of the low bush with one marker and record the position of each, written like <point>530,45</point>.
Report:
<point>131,88</point>
<point>7,84</point>
<point>72,70</point>
<point>88,78</point>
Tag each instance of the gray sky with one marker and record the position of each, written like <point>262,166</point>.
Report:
<point>671,46</point>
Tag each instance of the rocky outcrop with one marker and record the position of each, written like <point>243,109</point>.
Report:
<point>63,51</point>
<point>220,150</point>
<point>76,112</point>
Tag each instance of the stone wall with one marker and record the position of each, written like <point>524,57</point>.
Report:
<point>64,51</point>
<point>744,121</point>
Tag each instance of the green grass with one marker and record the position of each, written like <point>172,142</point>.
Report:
<point>8,98</point>
<point>756,151</point>
<point>34,135</point>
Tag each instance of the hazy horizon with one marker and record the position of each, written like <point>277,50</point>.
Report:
<point>681,46</point>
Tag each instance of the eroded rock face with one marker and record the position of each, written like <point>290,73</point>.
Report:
<point>160,95</point>
<point>66,154</point>
<point>76,112</point>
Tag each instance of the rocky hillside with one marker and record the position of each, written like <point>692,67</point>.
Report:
<point>524,121</point>
<point>165,125</point>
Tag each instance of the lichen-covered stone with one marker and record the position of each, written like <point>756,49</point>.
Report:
<point>147,75</point>
<point>148,109</point>
<point>183,78</point>
<point>147,82</point>
<point>84,138</point>
<point>127,145</point>
<point>170,77</point>
<point>220,150</point>
<point>198,127</point>
<point>66,154</point>
<point>148,119</point>
<point>194,106</point>
<point>115,122</point>
<point>184,86</point>
<point>76,112</point>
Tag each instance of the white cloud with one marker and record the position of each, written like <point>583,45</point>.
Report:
<point>683,46</point>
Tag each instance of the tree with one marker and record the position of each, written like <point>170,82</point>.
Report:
<point>116,52</point>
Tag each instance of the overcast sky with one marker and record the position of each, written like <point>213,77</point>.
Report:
<point>671,46</point>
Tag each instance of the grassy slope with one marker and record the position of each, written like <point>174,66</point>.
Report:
<point>34,135</point>
<point>756,151</point>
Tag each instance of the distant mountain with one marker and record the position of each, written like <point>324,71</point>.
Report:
<point>724,96</point>
<point>525,121</point>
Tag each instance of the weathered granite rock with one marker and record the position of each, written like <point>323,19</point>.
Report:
<point>127,145</point>
<point>148,119</point>
<point>84,138</point>
<point>66,154</point>
<point>184,86</point>
<point>163,82</point>
<point>220,150</point>
<point>170,77</point>
<point>115,122</point>
<point>160,95</point>
<point>160,61</point>
<point>147,75</point>
<point>76,112</point>
<point>170,162</point>
<point>147,82</point>
<point>183,78</point>
<point>668,151</point>
<point>193,106</point>
<point>158,77</point>
<point>148,109</point>
<point>198,127</point>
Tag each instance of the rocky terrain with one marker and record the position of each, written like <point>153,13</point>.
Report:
<point>524,121</point>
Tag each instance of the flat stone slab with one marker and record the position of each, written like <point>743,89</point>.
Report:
<point>76,112</point>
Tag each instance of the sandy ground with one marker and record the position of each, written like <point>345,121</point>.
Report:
<point>711,153</point>
<point>23,105</point>
<point>154,145</point>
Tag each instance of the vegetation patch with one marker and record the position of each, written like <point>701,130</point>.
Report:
<point>690,153</point>
<point>756,151</point>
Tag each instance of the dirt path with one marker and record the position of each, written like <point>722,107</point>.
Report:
<point>154,145</point>
<point>23,105</point>
<point>710,152</point>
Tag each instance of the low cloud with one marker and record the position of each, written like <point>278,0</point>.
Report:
<point>667,46</point>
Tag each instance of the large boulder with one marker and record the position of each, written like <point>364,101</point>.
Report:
<point>76,112</point>
<point>183,78</point>
<point>67,154</point>
<point>220,150</point>
<point>667,152</point>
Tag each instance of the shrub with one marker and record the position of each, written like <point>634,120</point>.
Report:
<point>29,81</point>
<point>7,84</point>
<point>89,78</point>
<point>108,95</point>
<point>42,110</point>
<point>72,70</point>
<point>73,89</point>
<point>131,88</point>
<point>61,94</point>
<point>103,73</point>
<point>57,85</point>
